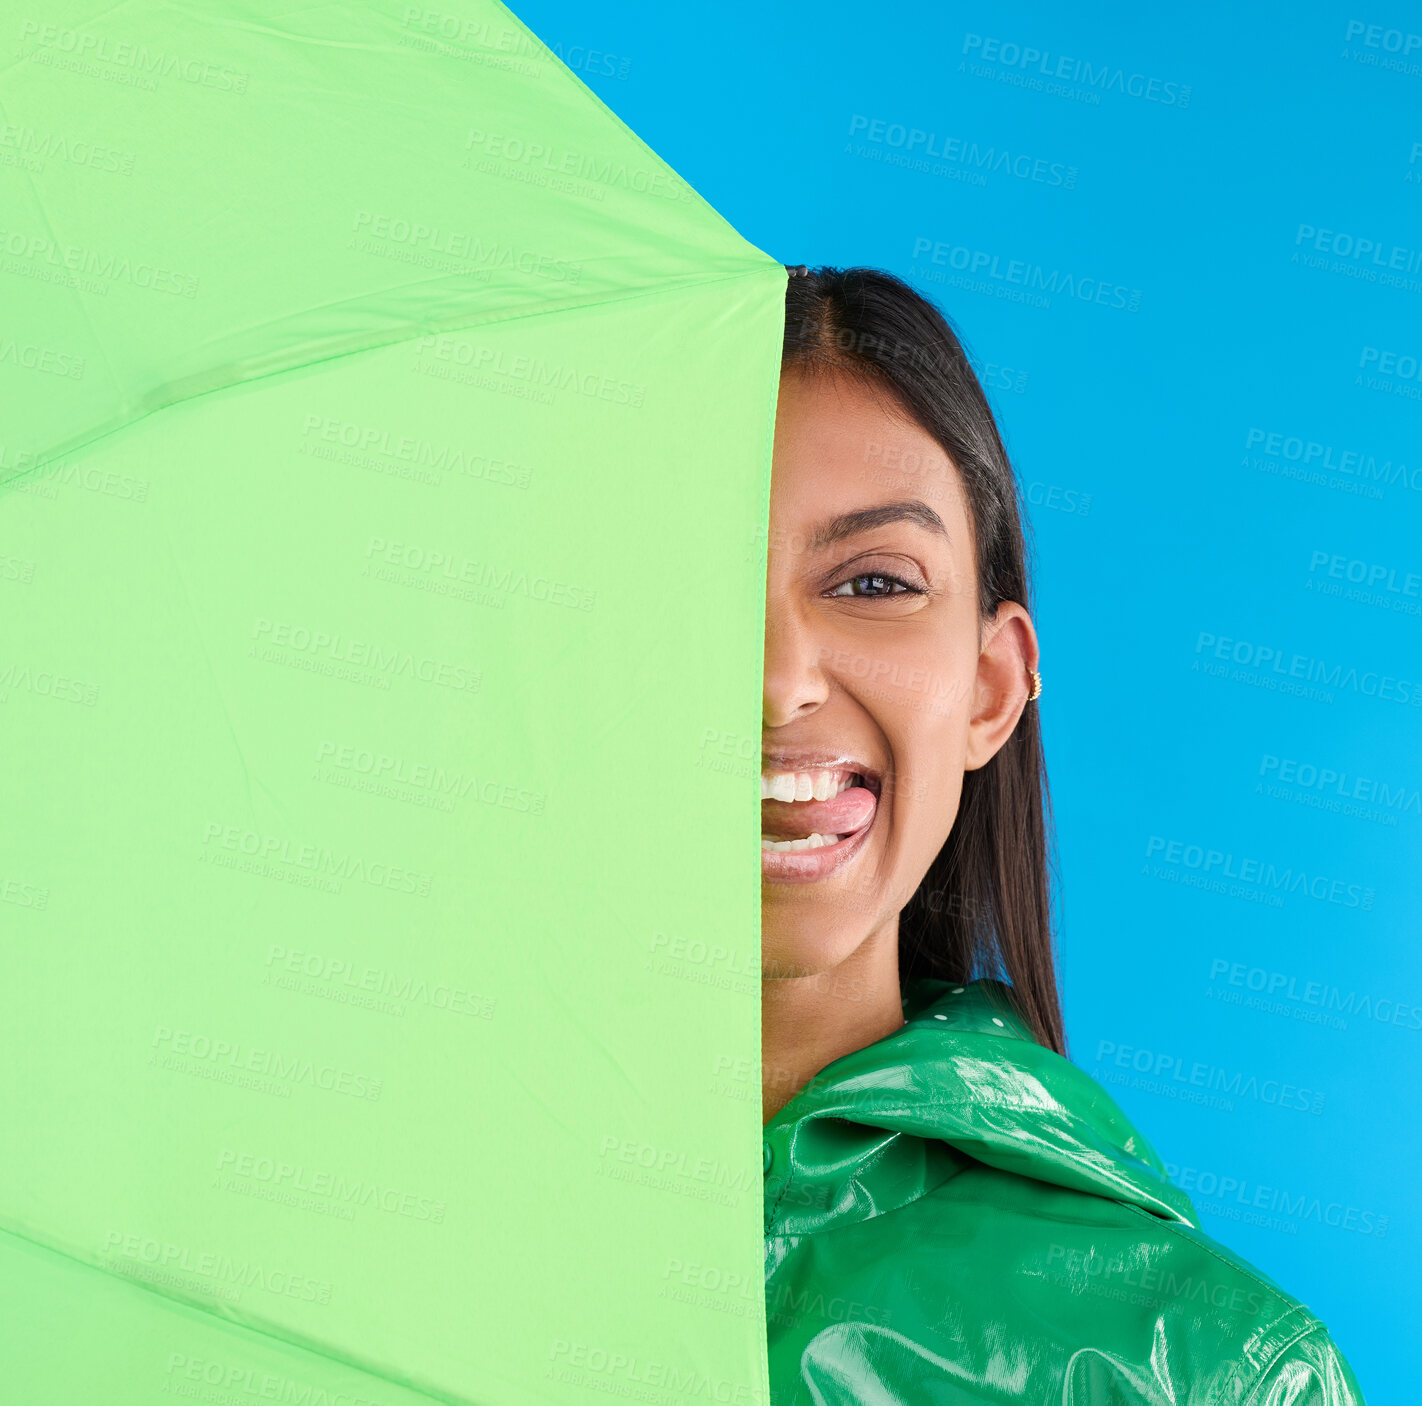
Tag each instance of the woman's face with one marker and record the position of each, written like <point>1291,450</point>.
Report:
<point>876,664</point>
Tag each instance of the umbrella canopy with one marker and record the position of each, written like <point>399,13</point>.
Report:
<point>383,469</point>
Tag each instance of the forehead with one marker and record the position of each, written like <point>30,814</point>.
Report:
<point>841,445</point>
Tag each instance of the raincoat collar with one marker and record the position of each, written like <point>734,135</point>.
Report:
<point>962,1081</point>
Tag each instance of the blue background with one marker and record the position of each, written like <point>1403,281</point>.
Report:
<point>1218,603</point>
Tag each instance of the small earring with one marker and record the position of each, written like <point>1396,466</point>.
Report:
<point>1036,685</point>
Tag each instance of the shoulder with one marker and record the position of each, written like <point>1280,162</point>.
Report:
<point>1122,1254</point>
<point>1283,1354</point>
<point>1309,1371</point>
<point>1108,1285</point>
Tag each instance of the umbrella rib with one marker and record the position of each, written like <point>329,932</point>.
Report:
<point>193,387</point>
<point>254,1324</point>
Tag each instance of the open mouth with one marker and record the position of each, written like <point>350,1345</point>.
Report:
<point>815,809</point>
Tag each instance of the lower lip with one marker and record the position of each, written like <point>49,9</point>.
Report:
<point>807,866</point>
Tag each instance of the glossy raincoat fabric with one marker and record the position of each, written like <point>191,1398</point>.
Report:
<point>958,1214</point>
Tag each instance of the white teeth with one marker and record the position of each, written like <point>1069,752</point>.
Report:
<point>782,787</point>
<point>802,785</point>
<point>809,842</point>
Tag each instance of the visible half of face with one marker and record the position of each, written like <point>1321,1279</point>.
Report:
<point>872,680</point>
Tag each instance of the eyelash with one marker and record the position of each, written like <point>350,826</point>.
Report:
<point>877,576</point>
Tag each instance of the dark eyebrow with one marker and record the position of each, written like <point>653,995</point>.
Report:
<point>836,529</point>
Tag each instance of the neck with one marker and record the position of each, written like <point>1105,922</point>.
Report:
<point>808,1022</point>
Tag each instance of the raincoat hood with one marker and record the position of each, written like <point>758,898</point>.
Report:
<point>956,1213</point>
<point>962,1081</point>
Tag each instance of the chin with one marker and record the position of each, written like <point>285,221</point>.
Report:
<point>797,955</point>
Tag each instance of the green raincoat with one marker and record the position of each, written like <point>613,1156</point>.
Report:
<point>958,1214</point>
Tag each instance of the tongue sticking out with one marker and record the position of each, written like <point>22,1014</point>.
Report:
<point>843,814</point>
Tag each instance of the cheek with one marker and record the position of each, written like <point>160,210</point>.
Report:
<point>923,682</point>
<point>919,830</point>
<point>929,750</point>
<point>923,714</point>
<point>927,796</point>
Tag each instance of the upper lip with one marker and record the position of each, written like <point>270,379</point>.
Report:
<point>817,759</point>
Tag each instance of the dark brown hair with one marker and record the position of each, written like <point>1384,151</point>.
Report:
<point>984,906</point>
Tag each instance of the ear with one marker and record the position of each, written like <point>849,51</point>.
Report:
<point>1009,650</point>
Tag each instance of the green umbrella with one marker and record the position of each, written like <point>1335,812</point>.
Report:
<point>383,465</point>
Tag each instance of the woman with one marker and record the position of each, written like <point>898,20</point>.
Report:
<point>954,1212</point>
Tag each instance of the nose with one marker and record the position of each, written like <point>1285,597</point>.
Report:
<point>795,680</point>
